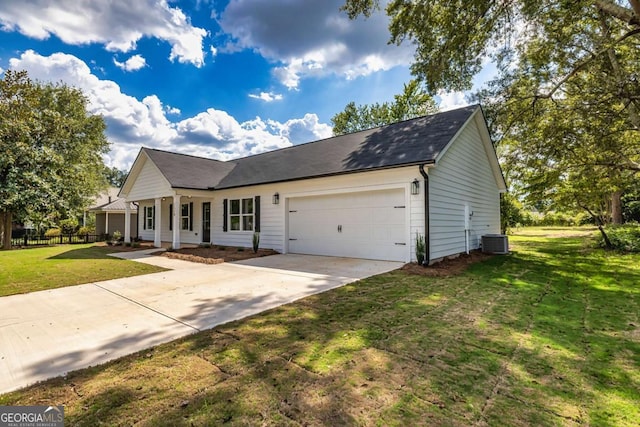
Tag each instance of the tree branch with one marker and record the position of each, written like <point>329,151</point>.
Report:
<point>586,61</point>
<point>631,17</point>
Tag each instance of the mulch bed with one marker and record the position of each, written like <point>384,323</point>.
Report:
<point>447,267</point>
<point>216,255</point>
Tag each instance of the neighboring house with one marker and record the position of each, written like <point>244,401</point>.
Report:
<point>110,213</point>
<point>362,195</point>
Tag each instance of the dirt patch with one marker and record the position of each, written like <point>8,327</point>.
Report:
<point>447,267</point>
<point>216,254</point>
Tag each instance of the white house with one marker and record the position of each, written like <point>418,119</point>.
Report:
<point>362,195</point>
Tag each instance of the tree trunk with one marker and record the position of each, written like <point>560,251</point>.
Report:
<point>6,238</point>
<point>607,242</point>
<point>634,116</point>
<point>600,224</point>
<point>616,207</point>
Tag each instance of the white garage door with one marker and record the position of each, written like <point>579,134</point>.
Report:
<point>368,224</point>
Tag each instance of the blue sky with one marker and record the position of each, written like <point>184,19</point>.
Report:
<point>221,79</point>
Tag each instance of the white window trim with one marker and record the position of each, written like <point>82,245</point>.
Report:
<point>182,217</point>
<point>150,217</point>
<point>241,215</point>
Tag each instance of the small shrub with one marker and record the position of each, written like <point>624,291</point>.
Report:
<point>420,248</point>
<point>52,232</point>
<point>69,225</point>
<point>116,239</point>
<point>170,249</point>
<point>256,242</point>
<point>205,245</point>
<point>240,249</point>
<point>135,244</point>
<point>623,237</point>
<point>128,244</point>
<point>222,248</point>
<point>86,230</point>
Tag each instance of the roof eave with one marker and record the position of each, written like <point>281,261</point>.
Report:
<point>424,162</point>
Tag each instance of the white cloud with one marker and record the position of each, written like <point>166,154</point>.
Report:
<point>319,40</point>
<point>132,123</point>
<point>118,24</point>
<point>135,63</point>
<point>302,130</point>
<point>267,96</point>
<point>213,50</point>
<point>451,100</point>
<point>172,110</point>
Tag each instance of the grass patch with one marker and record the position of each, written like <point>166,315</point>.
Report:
<point>548,335</point>
<point>37,269</point>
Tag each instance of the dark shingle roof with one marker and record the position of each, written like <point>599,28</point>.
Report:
<point>184,171</point>
<point>409,142</point>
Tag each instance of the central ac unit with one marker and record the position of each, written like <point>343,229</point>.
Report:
<point>495,244</point>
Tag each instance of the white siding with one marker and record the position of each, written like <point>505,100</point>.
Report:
<point>150,183</point>
<point>273,218</point>
<point>462,177</point>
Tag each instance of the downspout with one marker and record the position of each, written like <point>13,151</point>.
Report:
<point>427,231</point>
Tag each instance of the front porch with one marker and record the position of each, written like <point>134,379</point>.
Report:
<point>166,226</point>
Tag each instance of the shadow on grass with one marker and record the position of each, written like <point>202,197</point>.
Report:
<point>547,335</point>
<point>93,252</point>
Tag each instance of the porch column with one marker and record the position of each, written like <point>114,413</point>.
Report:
<point>106,223</point>
<point>157,236</point>
<point>177,208</point>
<point>127,222</point>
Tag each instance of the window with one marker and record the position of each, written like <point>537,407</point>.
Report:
<point>185,216</point>
<point>241,214</point>
<point>149,217</point>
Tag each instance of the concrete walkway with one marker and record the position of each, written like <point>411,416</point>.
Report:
<point>49,333</point>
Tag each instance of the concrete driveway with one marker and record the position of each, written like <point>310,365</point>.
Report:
<point>49,333</point>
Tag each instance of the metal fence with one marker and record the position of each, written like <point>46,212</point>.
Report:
<point>36,240</point>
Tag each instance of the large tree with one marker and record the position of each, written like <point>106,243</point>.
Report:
<point>412,102</point>
<point>565,106</point>
<point>115,176</point>
<point>453,37</point>
<point>50,150</point>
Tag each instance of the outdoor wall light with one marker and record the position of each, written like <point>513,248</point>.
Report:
<point>415,187</point>
<point>276,199</point>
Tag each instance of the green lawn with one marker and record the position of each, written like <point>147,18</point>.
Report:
<point>36,269</point>
<point>548,335</point>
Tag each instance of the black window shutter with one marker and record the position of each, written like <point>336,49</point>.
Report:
<point>256,212</point>
<point>144,219</point>
<point>170,216</point>
<point>154,218</point>
<point>190,216</point>
<point>224,215</point>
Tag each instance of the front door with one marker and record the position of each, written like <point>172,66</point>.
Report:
<point>206,222</point>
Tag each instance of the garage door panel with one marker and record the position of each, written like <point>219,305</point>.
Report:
<point>387,216</point>
<point>361,225</point>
